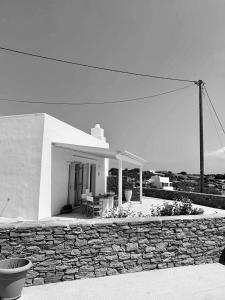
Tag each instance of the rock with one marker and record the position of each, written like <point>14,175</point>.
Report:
<point>150,249</point>
<point>38,281</point>
<point>124,256</point>
<point>111,271</point>
<point>132,246</point>
<point>71,271</point>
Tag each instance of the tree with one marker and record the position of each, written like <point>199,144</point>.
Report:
<point>183,173</point>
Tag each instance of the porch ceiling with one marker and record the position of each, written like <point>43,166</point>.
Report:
<point>105,153</point>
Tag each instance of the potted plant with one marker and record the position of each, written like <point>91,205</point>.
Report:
<point>66,209</point>
<point>13,273</point>
<point>128,194</point>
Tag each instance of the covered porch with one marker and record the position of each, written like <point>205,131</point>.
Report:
<point>97,169</point>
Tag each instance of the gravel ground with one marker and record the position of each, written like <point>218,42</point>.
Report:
<point>148,203</point>
<point>144,207</point>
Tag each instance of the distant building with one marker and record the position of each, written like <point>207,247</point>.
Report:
<point>161,182</point>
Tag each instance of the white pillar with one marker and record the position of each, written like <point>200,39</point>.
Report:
<point>106,172</point>
<point>141,185</point>
<point>120,184</point>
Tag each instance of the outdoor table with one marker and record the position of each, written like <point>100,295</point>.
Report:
<point>107,204</point>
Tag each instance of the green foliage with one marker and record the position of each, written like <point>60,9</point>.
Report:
<point>183,173</point>
<point>125,212</point>
<point>180,206</point>
<point>120,212</point>
<point>13,264</point>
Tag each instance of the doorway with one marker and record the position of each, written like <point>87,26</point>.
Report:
<point>81,178</point>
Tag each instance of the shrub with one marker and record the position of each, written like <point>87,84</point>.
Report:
<point>120,212</point>
<point>180,206</point>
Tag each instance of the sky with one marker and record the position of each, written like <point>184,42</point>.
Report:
<point>177,38</point>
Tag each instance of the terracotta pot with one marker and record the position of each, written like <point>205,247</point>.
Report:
<point>128,195</point>
<point>13,273</point>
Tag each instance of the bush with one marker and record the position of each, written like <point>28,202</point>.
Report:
<point>120,212</point>
<point>180,206</point>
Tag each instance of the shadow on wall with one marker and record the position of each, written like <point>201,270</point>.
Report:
<point>4,207</point>
<point>222,257</point>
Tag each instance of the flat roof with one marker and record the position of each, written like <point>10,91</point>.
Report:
<point>105,153</point>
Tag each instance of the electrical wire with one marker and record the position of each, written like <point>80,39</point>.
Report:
<point>213,121</point>
<point>218,119</point>
<point>92,66</point>
<point>97,103</point>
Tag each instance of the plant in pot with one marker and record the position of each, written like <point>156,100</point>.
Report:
<point>128,194</point>
<point>66,209</point>
<point>13,273</point>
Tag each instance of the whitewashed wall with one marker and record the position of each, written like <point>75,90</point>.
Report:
<point>26,163</point>
<point>56,131</point>
<point>20,165</point>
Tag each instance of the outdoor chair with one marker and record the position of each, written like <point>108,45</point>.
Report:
<point>94,206</point>
<point>84,201</point>
<point>100,205</point>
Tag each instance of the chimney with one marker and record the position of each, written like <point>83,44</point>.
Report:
<point>98,132</point>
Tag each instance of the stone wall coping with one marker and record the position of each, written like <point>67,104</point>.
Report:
<point>186,192</point>
<point>116,221</point>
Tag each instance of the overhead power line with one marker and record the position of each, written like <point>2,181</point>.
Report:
<point>92,66</point>
<point>97,103</point>
<point>216,114</point>
<point>213,121</point>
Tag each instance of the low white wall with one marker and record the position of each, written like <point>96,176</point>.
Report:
<point>20,165</point>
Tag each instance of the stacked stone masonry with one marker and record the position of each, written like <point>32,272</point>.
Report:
<point>74,251</point>
<point>197,198</point>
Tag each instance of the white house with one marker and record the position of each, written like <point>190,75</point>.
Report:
<point>46,163</point>
<point>161,182</point>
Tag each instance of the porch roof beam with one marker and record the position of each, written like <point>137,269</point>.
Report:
<point>104,153</point>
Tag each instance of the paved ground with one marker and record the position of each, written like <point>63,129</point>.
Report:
<point>144,207</point>
<point>202,282</point>
<point>149,202</point>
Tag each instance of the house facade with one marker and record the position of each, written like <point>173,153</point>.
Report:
<point>46,163</point>
<point>161,182</point>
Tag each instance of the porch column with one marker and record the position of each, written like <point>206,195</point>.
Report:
<point>141,184</point>
<point>120,183</point>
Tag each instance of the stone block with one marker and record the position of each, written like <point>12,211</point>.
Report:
<point>123,256</point>
<point>52,279</point>
<point>86,268</point>
<point>38,281</point>
<point>100,272</point>
<point>135,256</point>
<point>111,257</point>
<point>71,271</point>
<point>149,266</point>
<point>111,271</point>
<point>132,247</point>
<point>67,277</point>
<point>150,249</point>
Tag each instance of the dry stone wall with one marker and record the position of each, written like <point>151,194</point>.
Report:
<point>73,251</point>
<point>197,198</point>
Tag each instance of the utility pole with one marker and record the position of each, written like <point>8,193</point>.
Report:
<point>201,138</point>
